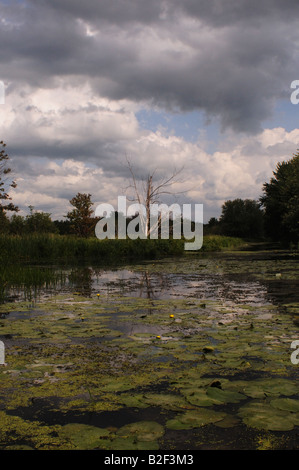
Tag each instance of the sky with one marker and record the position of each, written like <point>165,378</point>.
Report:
<point>198,85</point>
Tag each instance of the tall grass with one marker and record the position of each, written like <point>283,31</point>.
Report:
<point>67,249</point>
<point>220,243</point>
<point>28,280</point>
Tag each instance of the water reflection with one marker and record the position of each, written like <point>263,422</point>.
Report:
<point>227,278</point>
<point>81,280</point>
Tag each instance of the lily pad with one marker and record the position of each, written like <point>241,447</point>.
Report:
<point>195,419</point>
<point>262,415</point>
<point>133,401</point>
<point>167,401</point>
<point>199,397</point>
<point>144,431</point>
<point>224,396</point>
<point>83,436</point>
<point>228,422</point>
<point>286,404</point>
<point>270,387</point>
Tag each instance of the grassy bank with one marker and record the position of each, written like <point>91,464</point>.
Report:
<point>67,249</point>
<point>220,243</point>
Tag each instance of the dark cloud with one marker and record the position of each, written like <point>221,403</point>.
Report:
<point>230,59</point>
<point>229,12</point>
<point>112,11</point>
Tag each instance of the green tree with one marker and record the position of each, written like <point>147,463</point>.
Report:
<point>81,218</point>
<point>5,184</point>
<point>63,226</point>
<point>39,222</point>
<point>280,200</point>
<point>212,227</point>
<point>17,225</point>
<point>242,218</point>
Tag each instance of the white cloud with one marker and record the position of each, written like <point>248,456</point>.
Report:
<point>64,140</point>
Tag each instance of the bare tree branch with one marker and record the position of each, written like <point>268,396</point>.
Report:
<point>147,193</point>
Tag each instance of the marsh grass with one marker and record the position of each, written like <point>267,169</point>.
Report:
<point>49,248</point>
<point>28,280</point>
<point>221,242</point>
<point>21,255</point>
<point>65,249</point>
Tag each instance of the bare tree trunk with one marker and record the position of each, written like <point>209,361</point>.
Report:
<point>148,193</point>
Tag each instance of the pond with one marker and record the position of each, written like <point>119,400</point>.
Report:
<point>183,353</point>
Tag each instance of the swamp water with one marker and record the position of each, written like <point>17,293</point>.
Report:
<point>185,353</point>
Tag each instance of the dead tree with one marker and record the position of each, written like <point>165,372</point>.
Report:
<point>149,191</point>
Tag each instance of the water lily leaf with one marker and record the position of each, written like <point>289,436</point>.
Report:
<point>200,398</point>
<point>224,396</point>
<point>286,404</point>
<point>228,422</point>
<point>84,436</point>
<point>167,401</point>
<point>134,401</point>
<point>270,387</point>
<point>144,431</point>
<point>195,419</point>
<point>262,415</point>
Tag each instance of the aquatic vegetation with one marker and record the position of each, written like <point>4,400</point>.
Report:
<point>178,362</point>
<point>195,419</point>
<point>262,415</point>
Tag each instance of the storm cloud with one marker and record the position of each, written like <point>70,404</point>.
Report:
<point>232,60</point>
<point>77,74</point>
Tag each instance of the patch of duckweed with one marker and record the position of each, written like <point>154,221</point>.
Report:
<point>270,442</point>
<point>14,429</point>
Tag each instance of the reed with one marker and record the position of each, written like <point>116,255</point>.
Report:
<point>49,248</point>
<point>221,243</point>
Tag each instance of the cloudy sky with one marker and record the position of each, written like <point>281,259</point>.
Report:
<point>199,84</point>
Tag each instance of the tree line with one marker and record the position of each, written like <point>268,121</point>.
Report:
<point>274,216</point>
